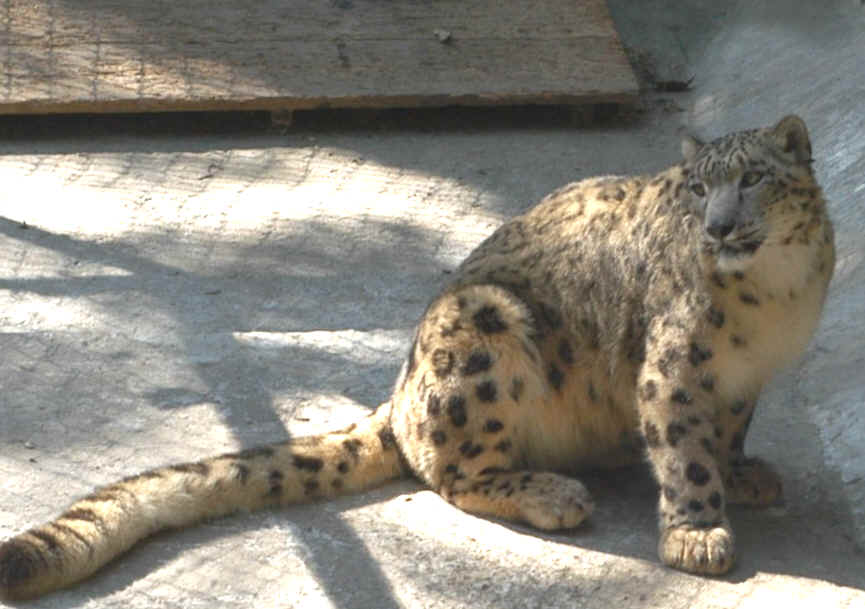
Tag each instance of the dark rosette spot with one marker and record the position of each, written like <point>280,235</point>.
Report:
<point>457,410</point>
<point>486,391</point>
<point>675,432</point>
<point>478,361</point>
<point>697,473</point>
<point>488,320</point>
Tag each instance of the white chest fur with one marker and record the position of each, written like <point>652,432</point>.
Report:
<point>771,312</point>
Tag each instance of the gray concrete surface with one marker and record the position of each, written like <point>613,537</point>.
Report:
<point>172,291</point>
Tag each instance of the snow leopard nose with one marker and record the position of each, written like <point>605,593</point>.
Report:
<point>720,228</point>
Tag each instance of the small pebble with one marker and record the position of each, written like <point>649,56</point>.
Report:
<point>442,36</point>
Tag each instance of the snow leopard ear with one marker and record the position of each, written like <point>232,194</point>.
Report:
<point>791,137</point>
<point>690,147</point>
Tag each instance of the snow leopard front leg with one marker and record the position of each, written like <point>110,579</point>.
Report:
<point>748,480</point>
<point>679,419</point>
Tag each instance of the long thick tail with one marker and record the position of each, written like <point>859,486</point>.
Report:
<point>106,523</point>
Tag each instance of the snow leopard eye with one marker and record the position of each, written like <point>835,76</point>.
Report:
<point>750,178</point>
<point>697,188</point>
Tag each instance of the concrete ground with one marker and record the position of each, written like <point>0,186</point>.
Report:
<point>177,287</point>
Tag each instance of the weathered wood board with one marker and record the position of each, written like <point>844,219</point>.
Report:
<point>153,55</point>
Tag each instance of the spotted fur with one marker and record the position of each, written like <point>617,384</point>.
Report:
<point>620,317</point>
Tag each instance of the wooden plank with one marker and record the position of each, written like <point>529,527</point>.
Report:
<point>151,55</point>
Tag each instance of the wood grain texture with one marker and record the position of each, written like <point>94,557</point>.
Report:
<point>152,55</point>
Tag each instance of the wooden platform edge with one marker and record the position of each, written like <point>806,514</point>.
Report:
<point>143,105</point>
